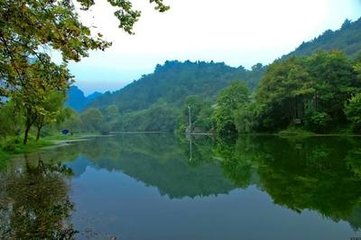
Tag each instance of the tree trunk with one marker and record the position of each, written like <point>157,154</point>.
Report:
<point>26,134</point>
<point>38,133</point>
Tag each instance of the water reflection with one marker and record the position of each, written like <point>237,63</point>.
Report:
<point>34,202</point>
<point>321,174</point>
<point>158,160</point>
<point>163,187</point>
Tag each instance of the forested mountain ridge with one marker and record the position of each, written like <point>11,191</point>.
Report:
<point>173,81</point>
<point>346,39</point>
<point>312,88</point>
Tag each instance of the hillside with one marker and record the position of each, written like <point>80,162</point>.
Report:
<point>346,39</point>
<point>159,101</point>
<point>77,100</point>
<point>174,81</point>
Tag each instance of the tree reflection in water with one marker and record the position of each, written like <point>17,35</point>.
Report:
<point>321,174</point>
<point>34,202</point>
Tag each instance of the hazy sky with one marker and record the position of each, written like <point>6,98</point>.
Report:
<point>237,32</point>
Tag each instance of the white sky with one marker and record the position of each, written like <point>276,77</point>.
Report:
<point>237,32</point>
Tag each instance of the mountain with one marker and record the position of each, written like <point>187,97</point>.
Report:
<point>346,39</point>
<point>77,100</point>
<point>158,101</point>
<point>173,81</point>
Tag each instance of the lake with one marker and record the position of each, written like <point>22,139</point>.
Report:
<point>158,186</point>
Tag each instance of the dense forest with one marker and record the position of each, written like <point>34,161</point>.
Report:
<point>318,93</point>
<point>174,81</point>
<point>315,88</point>
<point>346,39</point>
<point>156,101</point>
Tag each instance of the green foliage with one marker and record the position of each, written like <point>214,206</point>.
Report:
<point>72,121</point>
<point>282,92</point>
<point>306,91</point>
<point>200,112</point>
<point>29,28</point>
<point>318,121</point>
<point>353,112</point>
<point>245,118</point>
<point>230,100</point>
<point>92,121</point>
<point>160,117</point>
<point>52,111</point>
<point>170,90</point>
<point>9,119</point>
<point>346,39</point>
<point>174,81</point>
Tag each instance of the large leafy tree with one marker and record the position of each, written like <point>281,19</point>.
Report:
<point>43,79</point>
<point>282,93</point>
<point>30,29</point>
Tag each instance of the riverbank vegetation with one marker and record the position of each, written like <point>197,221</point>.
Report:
<point>313,90</point>
<point>33,85</point>
<point>299,94</point>
<point>319,93</point>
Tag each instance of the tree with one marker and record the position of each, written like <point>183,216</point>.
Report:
<point>92,120</point>
<point>72,121</point>
<point>353,111</point>
<point>111,116</point>
<point>334,81</point>
<point>52,111</point>
<point>200,111</point>
<point>282,94</point>
<point>29,28</point>
<point>43,78</point>
<point>308,91</point>
<point>229,101</point>
<point>9,120</point>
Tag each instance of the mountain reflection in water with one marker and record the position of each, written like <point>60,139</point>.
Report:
<point>160,187</point>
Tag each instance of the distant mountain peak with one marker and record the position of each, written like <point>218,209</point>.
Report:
<point>76,98</point>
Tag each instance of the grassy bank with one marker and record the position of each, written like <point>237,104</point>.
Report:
<point>14,145</point>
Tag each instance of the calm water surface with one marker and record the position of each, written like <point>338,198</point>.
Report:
<point>160,187</point>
